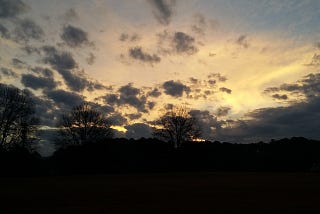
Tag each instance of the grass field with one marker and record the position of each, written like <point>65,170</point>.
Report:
<point>163,193</point>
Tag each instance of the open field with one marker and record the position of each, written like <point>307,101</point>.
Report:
<point>220,192</point>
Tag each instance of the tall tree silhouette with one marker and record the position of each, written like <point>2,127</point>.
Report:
<point>17,121</point>
<point>84,124</point>
<point>177,126</point>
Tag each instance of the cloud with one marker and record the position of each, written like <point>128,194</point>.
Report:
<point>223,111</point>
<point>34,82</point>
<point>175,89</point>
<point>308,87</point>
<point>4,32</point>
<point>315,61</point>
<point>65,98</point>
<point>138,130</point>
<point>154,93</point>
<point>218,77</point>
<point>226,90</point>
<point>74,37</point>
<point>117,119</point>
<point>207,122</point>
<point>8,72</point>
<point>17,63</point>
<point>200,24</point>
<point>134,116</point>
<point>30,50</point>
<point>125,37</point>
<point>138,54</point>
<point>243,41</point>
<point>163,10</point>
<point>280,97</point>
<point>57,59</point>
<point>91,59</point>
<point>45,72</point>
<point>12,8</point>
<point>183,43</point>
<point>27,29</point>
<point>74,81</point>
<point>129,96</point>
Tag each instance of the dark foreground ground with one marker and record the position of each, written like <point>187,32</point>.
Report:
<point>163,193</point>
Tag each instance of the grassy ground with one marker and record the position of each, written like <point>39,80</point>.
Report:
<point>163,193</point>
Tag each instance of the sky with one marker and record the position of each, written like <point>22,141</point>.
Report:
<point>246,69</point>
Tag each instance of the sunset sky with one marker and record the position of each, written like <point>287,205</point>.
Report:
<point>247,69</point>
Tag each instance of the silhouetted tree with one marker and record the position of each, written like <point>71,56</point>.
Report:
<point>17,121</point>
<point>84,124</point>
<point>177,126</point>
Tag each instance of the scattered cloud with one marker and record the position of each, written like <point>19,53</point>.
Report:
<point>183,43</point>
<point>175,89</point>
<point>34,82</point>
<point>74,37</point>
<point>226,90</point>
<point>138,54</point>
<point>27,29</point>
<point>91,59</point>
<point>243,41</point>
<point>67,98</point>
<point>59,60</point>
<point>125,37</point>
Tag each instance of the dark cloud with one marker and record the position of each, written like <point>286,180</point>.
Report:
<point>151,105</point>
<point>27,29</point>
<point>34,82</point>
<point>183,43</point>
<point>175,89</point>
<point>74,36</point>
<point>243,41</point>
<point>64,63</point>
<point>207,122</point>
<point>154,93</point>
<point>74,81</point>
<point>226,90</point>
<point>223,111</point>
<point>134,116</point>
<point>4,32</point>
<point>138,54</point>
<point>125,37</point>
<point>138,130</point>
<point>12,8</point>
<point>163,10</point>
<point>117,119</point>
<point>308,87</point>
<point>59,60</point>
<point>280,97</point>
<point>91,59</point>
<point>129,96</point>
<point>8,72</point>
<point>65,98</point>
<point>45,72</point>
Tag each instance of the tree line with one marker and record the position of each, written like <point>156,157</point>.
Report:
<point>82,125</point>
<point>89,146</point>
